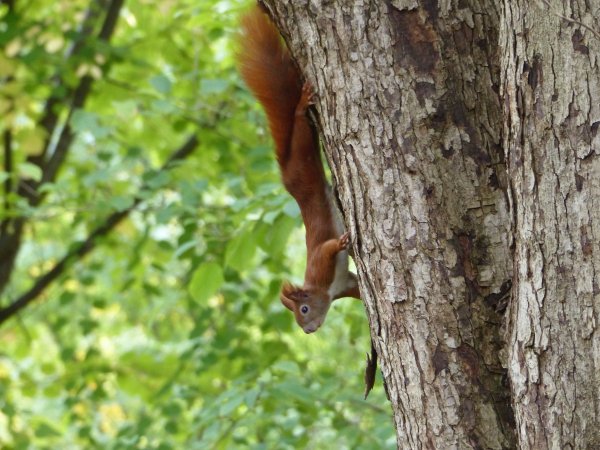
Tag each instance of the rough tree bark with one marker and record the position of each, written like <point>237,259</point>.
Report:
<point>551,83</point>
<point>409,113</point>
<point>412,117</point>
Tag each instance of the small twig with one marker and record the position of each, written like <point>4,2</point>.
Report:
<point>66,135</point>
<point>86,246</point>
<point>568,19</point>
<point>8,168</point>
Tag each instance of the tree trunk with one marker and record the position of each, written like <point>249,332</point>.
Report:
<point>411,117</point>
<point>409,112</point>
<point>551,82</point>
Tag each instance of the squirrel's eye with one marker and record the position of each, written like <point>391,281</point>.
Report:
<point>304,309</point>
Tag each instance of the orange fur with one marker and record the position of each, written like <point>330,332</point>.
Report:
<point>267,68</point>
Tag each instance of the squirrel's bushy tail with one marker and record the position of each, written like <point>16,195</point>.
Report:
<point>267,68</point>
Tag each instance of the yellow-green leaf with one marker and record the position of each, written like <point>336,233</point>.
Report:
<point>240,251</point>
<point>33,142</point>
<point>206,281</point>
<point>31,171</point>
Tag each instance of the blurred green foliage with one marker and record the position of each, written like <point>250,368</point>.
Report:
<point>169,335</point>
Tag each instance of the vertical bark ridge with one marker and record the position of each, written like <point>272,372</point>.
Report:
<point>551,85</point>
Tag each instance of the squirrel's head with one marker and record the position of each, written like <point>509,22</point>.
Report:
<point>308,305</point>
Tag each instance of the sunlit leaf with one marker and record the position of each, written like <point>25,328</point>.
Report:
<point>46,429</point>
<point>31,171</point>
<point>240,251</point>
<point>7,66</point>
<point>206,281</point>
<point>121,202</point>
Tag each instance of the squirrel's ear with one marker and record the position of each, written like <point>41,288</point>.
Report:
<point>290,294</point>
<point>289,304</point>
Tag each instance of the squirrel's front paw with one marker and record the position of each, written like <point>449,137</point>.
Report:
<point>344,241</point>
<point>307,98</point>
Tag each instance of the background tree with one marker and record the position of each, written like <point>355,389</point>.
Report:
<point>421,104</point>
<point>144,234</point>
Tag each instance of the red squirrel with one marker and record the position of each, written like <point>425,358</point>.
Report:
<point>268,70</point>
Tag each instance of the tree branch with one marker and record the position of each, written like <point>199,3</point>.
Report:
<point>49,118</point>
<point>110,21</point>
<point>89,243</point>
<point>10,230</point>
<point>8,168</point>
<point>66,136</point>
<point>80,95</point>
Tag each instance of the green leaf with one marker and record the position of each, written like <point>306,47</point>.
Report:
<point>291,208</point>
<point>121,202</point>
<point>270,217</point>
<point>240,252</point>
<point>126,110</point>
<point>31,171</point>
<point>46,429</point>
<point>32,143</point>
<point>66,298</point>
<point>274,238</point>
<point>132,386</point>
<point>182,249</point>
<point>251,396</point>
<point>164,106</point>
<point>157,179</point>
<point>83,121</point>
<point>161,83</point>
<point>206,281</point>
<point>291,388</point>
<point>231,405</point>
<point>214,86</point>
